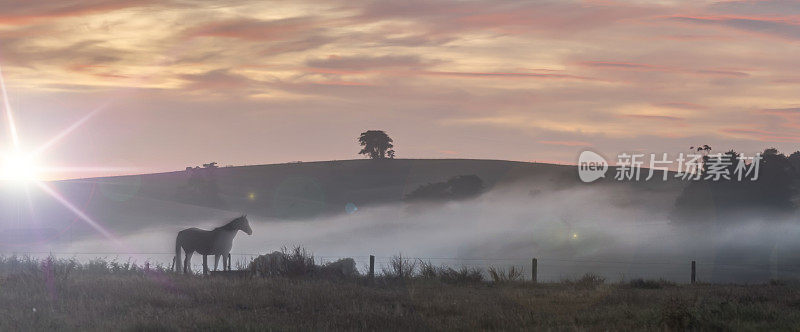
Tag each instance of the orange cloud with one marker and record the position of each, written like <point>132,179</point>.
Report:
<point>566,143</point>
<point>26,12</point>
<point>649,67</point>
<point>762,135</point>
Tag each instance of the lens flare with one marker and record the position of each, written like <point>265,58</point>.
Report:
<point>83,216</point>
<point>18,168</point>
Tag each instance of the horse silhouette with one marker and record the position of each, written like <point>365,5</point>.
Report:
<point>217,242</point>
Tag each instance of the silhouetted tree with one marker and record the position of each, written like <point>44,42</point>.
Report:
<point>457,187</point>
<point>377,144</point>
<point>201,186</point>
<point>465,186</point>
<point>794,160</point>
<point>775,182</point>
<point>727,199</point>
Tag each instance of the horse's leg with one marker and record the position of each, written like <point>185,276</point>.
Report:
<point>225,262</point>
<point>187,261</point>
<point>205,264</point>
<point>216,261</point>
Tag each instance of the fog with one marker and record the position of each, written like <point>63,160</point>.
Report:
<point>617,232</point>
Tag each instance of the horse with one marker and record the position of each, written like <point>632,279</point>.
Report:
<point>215,242</point>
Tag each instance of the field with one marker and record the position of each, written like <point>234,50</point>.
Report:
<point>112,296</point>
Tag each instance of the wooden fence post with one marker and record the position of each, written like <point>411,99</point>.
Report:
<point>694,271</point>
<point>371,267</point>
<point>534,270</point>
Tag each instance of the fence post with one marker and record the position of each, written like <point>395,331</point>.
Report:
<point>534,270</point>
<point>371,267</point>
<point>694,271</point>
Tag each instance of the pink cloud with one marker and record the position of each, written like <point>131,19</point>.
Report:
<point>653,117</point>
<point>788,28</point>
<point>25,12</point>
<point>612,65</point>
<point>683,105</point>
<point>566,143</point>
<point>762,135</point>
<point>256,30</point>
<point>508,75</point>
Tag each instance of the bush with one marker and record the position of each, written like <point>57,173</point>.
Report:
<point>400,268</point>
<point>455,188</point>
<point>587,281</point>
<point>650,283</point>
<point>51,268</point>
<point>501,275</point>
<point>449,275</point>
<point>344,268</point>
<point>297,262</point>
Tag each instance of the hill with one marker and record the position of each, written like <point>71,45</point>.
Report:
<point>279,191</point>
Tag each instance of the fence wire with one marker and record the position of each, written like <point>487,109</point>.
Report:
<point>549,268</point>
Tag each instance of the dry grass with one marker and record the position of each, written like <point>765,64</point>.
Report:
<point>35,296</point>
<point>505,275</point>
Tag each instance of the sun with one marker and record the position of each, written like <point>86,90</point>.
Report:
<point>18,168</point>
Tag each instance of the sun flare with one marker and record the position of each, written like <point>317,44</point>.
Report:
<point>19,168</point>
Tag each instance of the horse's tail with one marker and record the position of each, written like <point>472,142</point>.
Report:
<point>177,259</point>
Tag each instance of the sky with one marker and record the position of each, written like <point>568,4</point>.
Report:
<point>136,86</point>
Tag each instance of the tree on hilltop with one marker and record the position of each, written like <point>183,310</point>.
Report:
<point>376,144</point>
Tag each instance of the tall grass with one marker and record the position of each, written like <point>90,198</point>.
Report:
<point>448,274</point>
<point>505,275</point>
<point>64,294</point>
<point>61,268</point>
<point>400,268</point>
<point>300,263</point>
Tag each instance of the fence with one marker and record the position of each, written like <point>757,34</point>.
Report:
<point>535,268</point>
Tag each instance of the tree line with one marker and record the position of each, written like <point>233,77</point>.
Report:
<point>769,195</point>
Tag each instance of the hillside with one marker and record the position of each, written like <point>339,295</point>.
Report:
<point>280,191</point>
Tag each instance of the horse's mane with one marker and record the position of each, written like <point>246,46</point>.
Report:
<point>228,225</point>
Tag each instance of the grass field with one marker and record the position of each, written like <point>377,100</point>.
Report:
<point>115,296</point>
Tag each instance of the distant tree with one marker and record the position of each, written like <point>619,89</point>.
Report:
<point>794,160</point>
<point>703,147</point>
<point>201,186</point>
<point>457,187</point>
<point>376,144</point>
<point>465,186</point>
<point>775,187</point>
<point>770,194</point>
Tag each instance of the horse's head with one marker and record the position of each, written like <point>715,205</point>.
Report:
<point>244,225</point>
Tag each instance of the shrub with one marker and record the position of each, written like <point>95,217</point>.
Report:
<point>455,188</point>
<point>501,275</point>
<point>343,268</point>
<point>58,269</point>
<point>297,262</point>
<point>650,283</point>
<point>450,275</point>
<point>462,275</point>
<point>587,281</point>
<point>400,268</point>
